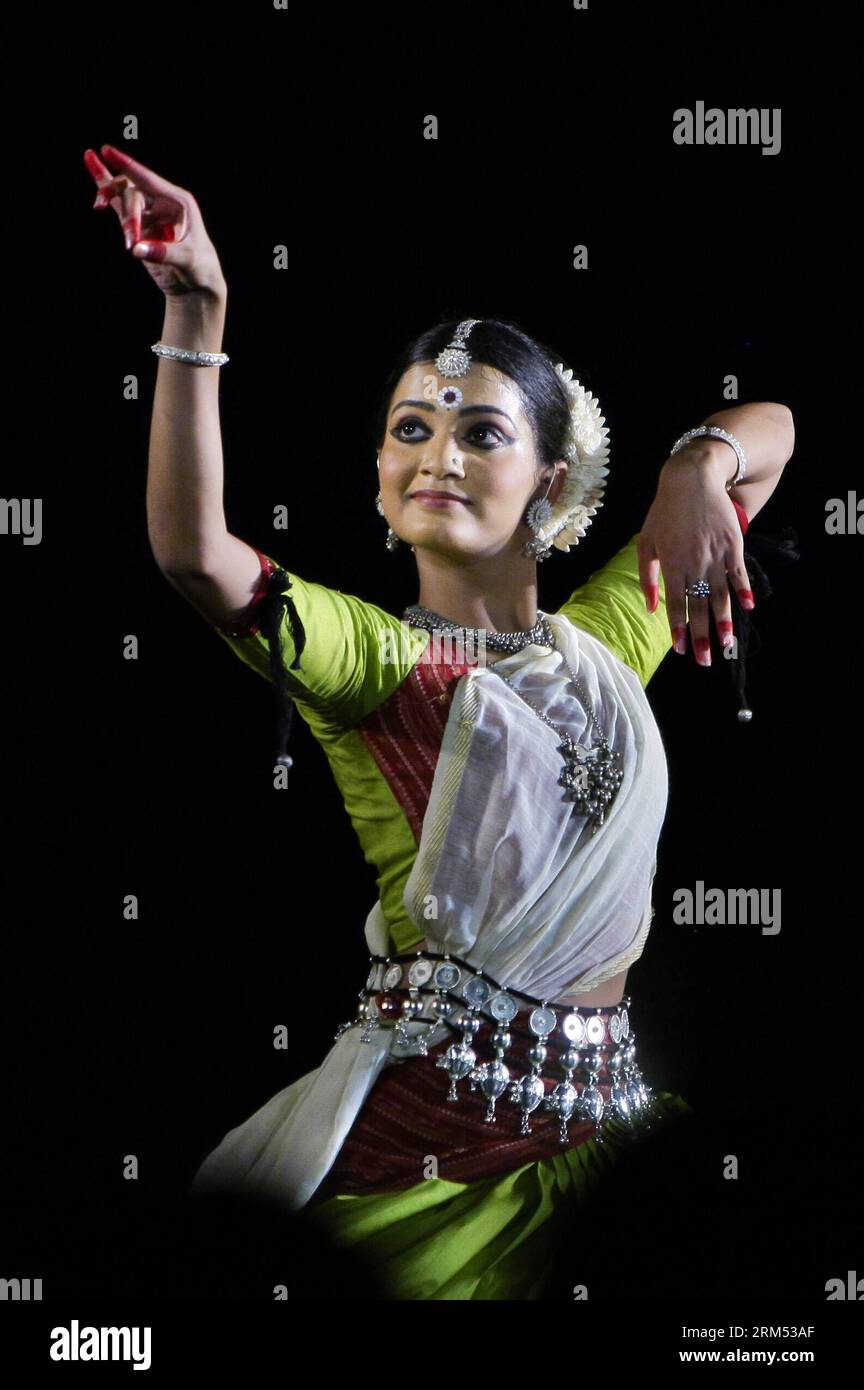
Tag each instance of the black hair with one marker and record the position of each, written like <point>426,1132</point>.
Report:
<point>529,363</point>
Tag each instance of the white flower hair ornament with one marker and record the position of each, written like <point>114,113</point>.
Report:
<point>586,450</point>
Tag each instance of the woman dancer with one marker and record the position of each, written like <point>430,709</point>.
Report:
<point>501,766</point>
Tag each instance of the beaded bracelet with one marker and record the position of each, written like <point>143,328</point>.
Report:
<point>195,359</point>
<point>715,432</point>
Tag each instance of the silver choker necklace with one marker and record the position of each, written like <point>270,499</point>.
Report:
<point>591,776</point>
<point>498,641</point>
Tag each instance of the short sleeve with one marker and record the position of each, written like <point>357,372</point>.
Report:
<point>611,606</point>
<point>352,653</point>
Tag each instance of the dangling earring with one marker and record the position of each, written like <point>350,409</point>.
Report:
<point>537,515</point>
<point>392,541</point>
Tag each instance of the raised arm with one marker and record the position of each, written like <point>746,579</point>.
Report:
<point>216,571</point>
<point>163,228</point>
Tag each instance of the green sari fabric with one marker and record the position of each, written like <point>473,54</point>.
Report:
<point>497,1238</point>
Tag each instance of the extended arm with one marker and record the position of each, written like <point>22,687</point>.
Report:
<point>766,432</point>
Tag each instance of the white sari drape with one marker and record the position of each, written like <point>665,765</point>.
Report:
<point>506,876</point>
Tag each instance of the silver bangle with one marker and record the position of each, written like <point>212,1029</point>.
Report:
<point>195,359</point>
<point>715,432</point>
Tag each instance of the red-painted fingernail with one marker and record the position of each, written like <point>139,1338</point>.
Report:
<point>112,149</point>
<point>653,597</point>
<point>746,597</point>
<point>679,639</point>
<point>150,250</point>
<point>727,636</point>
<point>702,649</point>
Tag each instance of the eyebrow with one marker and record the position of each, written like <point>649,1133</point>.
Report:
<point>463,410</point>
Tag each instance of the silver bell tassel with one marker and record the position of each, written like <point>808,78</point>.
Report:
<point>641,1096</point>
<point>411,1007</point>
<point>528,1092</point>
<point>591,1102</point>
<point>494,1077</point>
<point>621,1102</point>
<point>564,1100</point>
<point>367,1014</point>
<point>460,1058</point>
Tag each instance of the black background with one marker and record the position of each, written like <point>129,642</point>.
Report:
<point>153,777</point>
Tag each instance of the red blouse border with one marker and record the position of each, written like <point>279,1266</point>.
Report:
<point>244,624</point>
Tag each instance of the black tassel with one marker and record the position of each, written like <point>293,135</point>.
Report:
<point>758,546</point>
<point>271,611</point>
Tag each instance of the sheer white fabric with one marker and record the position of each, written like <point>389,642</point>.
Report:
<point>507,876</point>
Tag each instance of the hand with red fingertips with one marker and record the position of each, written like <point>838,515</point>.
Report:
<point>694,530</point>
<point>161,223</point>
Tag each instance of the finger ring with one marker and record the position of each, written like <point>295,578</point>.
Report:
<point>700,588</point>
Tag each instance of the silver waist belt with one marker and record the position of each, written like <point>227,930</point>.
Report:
<point>456,998</point>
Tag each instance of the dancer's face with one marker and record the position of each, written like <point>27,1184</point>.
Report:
<point>483,452</point>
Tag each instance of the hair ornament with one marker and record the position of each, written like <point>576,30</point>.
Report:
<point>586,450</point>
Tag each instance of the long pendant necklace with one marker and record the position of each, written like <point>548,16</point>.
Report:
<point>591,776</point>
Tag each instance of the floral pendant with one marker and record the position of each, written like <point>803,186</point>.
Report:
<point>591,777</point>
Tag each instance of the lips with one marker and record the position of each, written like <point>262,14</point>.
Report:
<point>425,495</point>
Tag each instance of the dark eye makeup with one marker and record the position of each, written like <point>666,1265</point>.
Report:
<point>414,420</point>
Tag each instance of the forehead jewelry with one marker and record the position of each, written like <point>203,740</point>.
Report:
<point>455,359</point>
